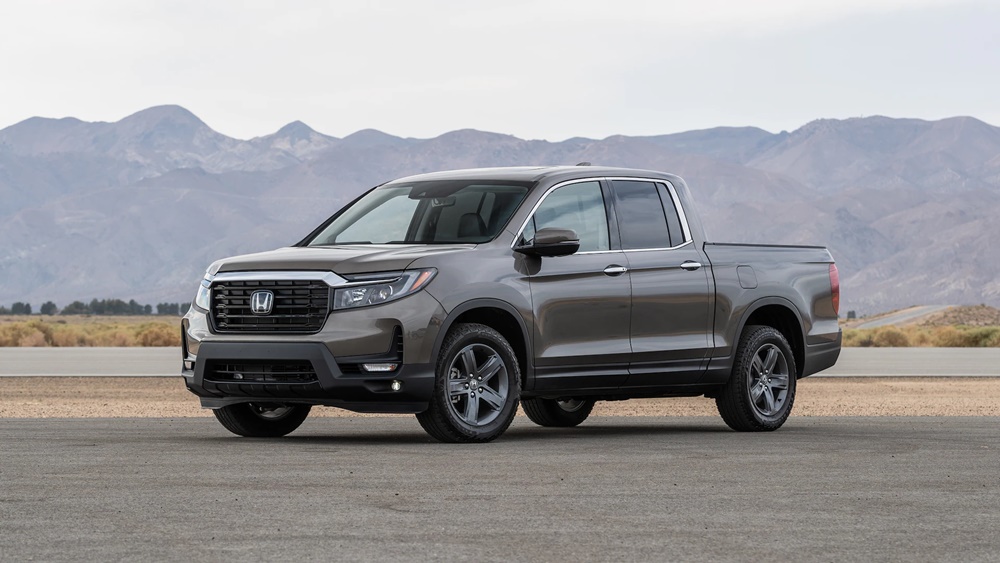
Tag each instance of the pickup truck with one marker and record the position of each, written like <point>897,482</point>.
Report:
<point>459,295</point>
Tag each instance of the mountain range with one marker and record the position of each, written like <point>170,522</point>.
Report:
<point>136,209</point>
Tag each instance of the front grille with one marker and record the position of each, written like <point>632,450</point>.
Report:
<point>260,372</point>
<point>299,306</point>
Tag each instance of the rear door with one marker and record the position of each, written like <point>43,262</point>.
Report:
<point>670,315</point>
<point>581,302</point>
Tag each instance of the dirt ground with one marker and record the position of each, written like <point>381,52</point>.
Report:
<point>118,397</point>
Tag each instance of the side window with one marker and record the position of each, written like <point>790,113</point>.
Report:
<point>673,219</point>
<point>641,220</point>
<point>579,207</point>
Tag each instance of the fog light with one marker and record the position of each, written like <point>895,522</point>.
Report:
<point>188,365</point>
<point>396,385</point>
<point>379,367</point>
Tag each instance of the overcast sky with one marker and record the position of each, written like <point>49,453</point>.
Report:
<point>535,69</point>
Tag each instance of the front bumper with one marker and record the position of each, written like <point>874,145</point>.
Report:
<point>360,392</point>
<point>400,332</point>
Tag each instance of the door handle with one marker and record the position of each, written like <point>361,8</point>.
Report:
<point>615,270</point>
<point>690,265</point>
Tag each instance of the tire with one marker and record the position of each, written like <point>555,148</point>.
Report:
<point>761,390</point>
<point>555,413</point>
<point>477,386</point>
<point>262,420</point>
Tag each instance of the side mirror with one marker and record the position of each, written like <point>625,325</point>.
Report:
<point>551,241</point>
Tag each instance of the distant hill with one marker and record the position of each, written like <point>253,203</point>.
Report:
<point>136,209</point>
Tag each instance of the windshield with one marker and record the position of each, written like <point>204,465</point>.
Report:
<point>442,212</point>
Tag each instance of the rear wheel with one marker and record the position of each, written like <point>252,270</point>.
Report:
<point>761,389</point>
<point>557,413</point>
<point>262,420</point>
<point>477,386</point>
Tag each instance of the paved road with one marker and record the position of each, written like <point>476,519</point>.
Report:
<point>938,362</point>
<point>127,362</point>
<point>614,489</point>
<point>166,362</point>
<point>905,316</point>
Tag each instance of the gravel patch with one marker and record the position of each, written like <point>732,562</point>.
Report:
<point>155,397</point>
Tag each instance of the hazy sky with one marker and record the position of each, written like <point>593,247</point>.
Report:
<point>535,69</point>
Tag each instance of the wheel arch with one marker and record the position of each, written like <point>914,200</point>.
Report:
<point>498,315</point>
<point>781,315</point>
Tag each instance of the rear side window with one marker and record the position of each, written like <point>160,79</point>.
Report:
<point>641,219</point>
<point>579,207</point>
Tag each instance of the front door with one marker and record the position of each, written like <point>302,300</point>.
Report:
<point>581,302</point>
<point>671,292</point>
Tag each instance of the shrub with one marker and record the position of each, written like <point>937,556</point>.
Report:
<point>158,334</point>
<point>948,337</point>
<point>33,339</point>
<point>981,337</point>
<point>856,338</point>
<point>890,337</point>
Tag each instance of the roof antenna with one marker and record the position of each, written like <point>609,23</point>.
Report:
<point>583,163</point>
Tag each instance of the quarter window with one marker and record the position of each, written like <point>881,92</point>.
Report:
<point>673,219</point>
<point>579,207</point>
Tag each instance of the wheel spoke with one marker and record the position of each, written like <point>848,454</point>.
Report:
<point>471,410</point>
<point>779,381</point>
<point>492,398</point>
<point>469,361</point>
<point>756,390</point>
<point>457,387</point>
<point>757,365</point>
<point>772,358</point>
<point>490,368</point>
<point>768,400</point>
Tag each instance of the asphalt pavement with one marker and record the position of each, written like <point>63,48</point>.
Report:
<point>650,489</point>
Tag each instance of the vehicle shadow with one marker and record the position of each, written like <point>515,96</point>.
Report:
<point>404,433</point>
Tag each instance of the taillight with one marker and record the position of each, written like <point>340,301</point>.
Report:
<point>835,288</point>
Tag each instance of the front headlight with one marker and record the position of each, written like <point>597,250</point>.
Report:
<point>375,289</point>
<point>204,297</point>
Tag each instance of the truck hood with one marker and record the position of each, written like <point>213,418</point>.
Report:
<point>354,259</point>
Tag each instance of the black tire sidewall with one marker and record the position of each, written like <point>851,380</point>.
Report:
<point>548,412</point>
<point>758,338</point>
<point>243,420</point>
<point>477,334</point>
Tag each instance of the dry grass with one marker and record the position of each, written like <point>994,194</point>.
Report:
<point>73,331</point>
<point>87,330</point>
<point>926,336</point>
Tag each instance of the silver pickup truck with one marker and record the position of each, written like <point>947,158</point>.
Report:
<point>459,295</point>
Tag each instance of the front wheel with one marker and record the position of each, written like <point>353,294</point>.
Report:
<point>761,389</point>
<point>557,413</point>
<point>262,420</point>
<point>476,389</point>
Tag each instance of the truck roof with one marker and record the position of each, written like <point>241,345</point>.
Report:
<point>534,173</point>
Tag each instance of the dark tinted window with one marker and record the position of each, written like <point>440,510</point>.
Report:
<point>673,219</point>
<point>641,220</point>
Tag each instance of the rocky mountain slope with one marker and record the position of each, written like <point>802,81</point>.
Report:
<point>138,208</point>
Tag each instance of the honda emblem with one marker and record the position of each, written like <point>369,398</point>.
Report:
<point>261,302</point>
